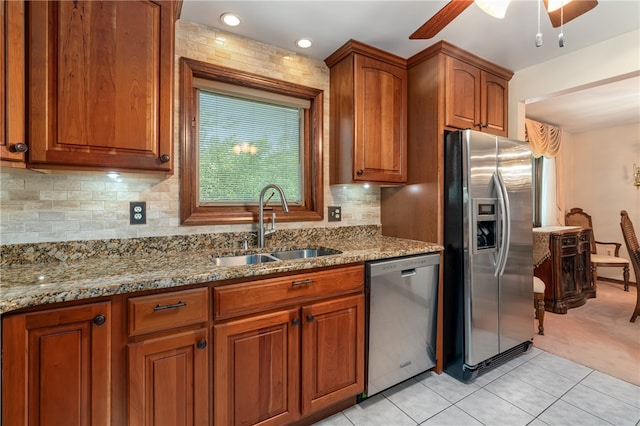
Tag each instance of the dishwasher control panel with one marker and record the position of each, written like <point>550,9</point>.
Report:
<point>400,264</point>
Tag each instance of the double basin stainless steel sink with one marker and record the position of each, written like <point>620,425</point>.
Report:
<point>254,259</point>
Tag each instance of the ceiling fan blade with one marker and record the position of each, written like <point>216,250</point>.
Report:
<point>571,11</point>
<point>441,19</point>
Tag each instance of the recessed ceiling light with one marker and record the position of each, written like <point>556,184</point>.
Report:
<point>304,43</point>
<point>230,19</point>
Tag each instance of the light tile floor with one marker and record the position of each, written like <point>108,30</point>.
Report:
<point>536,388</point>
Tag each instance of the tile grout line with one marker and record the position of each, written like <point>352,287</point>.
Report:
<point>580,381</point>
<point>595,390</point>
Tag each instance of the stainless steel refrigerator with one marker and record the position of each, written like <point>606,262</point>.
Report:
<point>488,257</point>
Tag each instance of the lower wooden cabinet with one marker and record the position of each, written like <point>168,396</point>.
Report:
<point>169,380</point>
<point>256,369</point>
<point>274,352</point>
<point>271,369</point>
<point>56,366</point>
<point>332,352</point>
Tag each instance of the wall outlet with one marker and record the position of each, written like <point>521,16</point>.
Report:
<point>137,212</point>
<point>335,213</point>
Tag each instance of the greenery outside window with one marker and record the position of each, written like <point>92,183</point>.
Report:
<point>240,132</point>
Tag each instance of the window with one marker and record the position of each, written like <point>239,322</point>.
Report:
<point>240,132</point>
<point>537,192</point>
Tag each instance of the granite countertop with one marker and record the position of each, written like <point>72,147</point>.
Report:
<point>24,284</point>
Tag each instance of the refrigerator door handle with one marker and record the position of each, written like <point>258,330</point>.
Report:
<point>498,185</point>
<point>506,227</point>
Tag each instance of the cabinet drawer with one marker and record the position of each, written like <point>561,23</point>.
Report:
<point>244,298</point>
<point>166,311</point>
<point>569,241</point>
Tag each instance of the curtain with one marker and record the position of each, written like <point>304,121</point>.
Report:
<point>552,199</point>
<point>545,141</point>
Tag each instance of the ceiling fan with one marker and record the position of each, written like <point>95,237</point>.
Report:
<point>558,15</point>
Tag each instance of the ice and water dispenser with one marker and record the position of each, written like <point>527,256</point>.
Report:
<point>485,224</point>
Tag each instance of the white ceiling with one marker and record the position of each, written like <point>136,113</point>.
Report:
<point>603,106</point>
<point>508,42</point>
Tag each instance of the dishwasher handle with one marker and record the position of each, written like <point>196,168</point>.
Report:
<point>408,273</point>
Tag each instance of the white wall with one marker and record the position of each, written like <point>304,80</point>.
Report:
<point>610,59</point>
<point>598,178</point>
<point>598,164</point>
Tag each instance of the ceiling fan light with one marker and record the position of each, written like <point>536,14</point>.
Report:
<point>495,8</point>
<point>556,4</point>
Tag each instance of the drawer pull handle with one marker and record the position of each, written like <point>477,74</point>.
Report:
<point>295,322</point>
<point>309,318</point>
<point>170,306</point>
<point>302,282</point>
<point>201,344</point>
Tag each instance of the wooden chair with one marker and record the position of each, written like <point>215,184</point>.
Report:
<point>577,217</point>
<point>633,248</point>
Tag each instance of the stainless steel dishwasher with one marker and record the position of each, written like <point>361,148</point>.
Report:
<point>402,296</point>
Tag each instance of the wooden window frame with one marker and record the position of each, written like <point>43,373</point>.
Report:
<point>191,213</point>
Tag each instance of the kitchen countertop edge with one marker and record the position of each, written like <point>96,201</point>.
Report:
<point>24,286</point>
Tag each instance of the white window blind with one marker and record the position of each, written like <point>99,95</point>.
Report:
<point>246,141</point>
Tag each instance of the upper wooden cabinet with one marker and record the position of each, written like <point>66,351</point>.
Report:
<point>474,98</point>
<point>368,110</point>
<point>449,88</point>
<point>12,84</point>
<point>101,84</point>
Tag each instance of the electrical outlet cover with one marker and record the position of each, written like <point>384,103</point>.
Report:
<point>137,213</point>
<point>335,213</point>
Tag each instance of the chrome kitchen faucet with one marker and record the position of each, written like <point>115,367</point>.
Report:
<point>262,232</point>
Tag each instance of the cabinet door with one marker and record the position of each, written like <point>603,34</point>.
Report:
<point>12,84</point>
<point>100,92</point>
<point>56,366</point>
<point>494,101</point>
<point>169,380</point>
<point>332,352</point>
<point>380,143</point>
<point>462,94</point>
<point>584,263</point>
<point>256,370</point>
